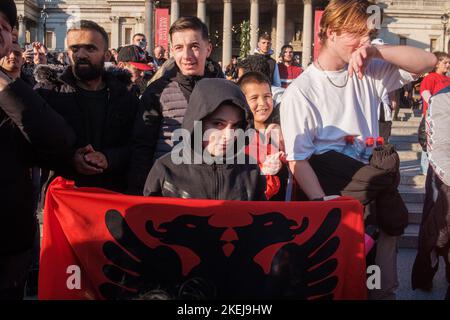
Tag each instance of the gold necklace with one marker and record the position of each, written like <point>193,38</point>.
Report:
<point>337,86</point>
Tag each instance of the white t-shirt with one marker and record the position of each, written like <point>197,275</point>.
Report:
<point>316,116</point>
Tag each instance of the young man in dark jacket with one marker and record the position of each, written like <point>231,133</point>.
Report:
<point>165,100</point>
<point>97,105</point>
<point>210,169</point>
<point>31,133</point>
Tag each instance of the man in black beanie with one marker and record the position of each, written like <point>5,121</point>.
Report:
<point>31,134</point>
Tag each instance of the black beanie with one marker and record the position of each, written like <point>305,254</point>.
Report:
<point>8,8</point>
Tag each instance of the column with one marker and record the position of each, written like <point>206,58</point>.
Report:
<point>22,29</point>
<point>281,26</point>
<point>201,10</point>
<point>174,11</point>
<point>115,31</point>
<point>254,24</point>
<point>149,26</point>
<point>227,35</point>
<point>307,32</point>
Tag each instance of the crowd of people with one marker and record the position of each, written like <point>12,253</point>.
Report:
<point>110,118</point>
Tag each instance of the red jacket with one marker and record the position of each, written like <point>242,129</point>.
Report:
<point>288,74</point>
<point>433,82</point>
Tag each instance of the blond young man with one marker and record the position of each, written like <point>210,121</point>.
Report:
<point>338,96</point>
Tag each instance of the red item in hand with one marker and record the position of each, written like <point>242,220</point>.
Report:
<point>349,139</point>
<point>380,141</point>
<point>370,142</point>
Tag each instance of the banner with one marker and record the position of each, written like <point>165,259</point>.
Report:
<point>102,245</point>
<point>317,16</point>
<point>162,26</point>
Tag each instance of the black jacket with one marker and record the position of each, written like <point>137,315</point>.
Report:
<point>208,181</point>
<point>31,133</point>
<point>60,91</point>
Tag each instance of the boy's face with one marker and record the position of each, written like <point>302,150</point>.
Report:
<point>443,66</point>
<point>288,55</point>
<point>346,43</point>
<point>219,127</point>
<point>5,36</point>
<point>259,98</point>
<point>190,51</point>
<point>264,46</point>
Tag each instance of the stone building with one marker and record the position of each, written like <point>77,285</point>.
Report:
<point>416,23</point>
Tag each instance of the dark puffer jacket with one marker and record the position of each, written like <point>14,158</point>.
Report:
<point>58,87</point>
<point>31,134</point>
<point>161,112</point>
<point>208,181</point>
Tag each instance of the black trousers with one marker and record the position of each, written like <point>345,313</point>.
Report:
<point>339,174</point>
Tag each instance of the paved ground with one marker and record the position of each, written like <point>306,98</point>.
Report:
<point>405,262</point>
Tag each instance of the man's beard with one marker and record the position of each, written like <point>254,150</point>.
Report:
<point>87,73</point>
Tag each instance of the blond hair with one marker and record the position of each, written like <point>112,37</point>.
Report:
<point>346,16</point>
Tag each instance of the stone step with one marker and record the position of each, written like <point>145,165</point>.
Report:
<point>411,123</point>
<point>412,194</point>
<point>401,138</point>
<point>407,146</point>
<point>407,155</point>
<point>404,131</point>
<point>410,238</point>
<point>410,170</point>
<point>417,180</point>
<point>415,212</point>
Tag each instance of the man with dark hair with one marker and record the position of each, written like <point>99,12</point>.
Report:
<point>12,63</point>
<point>165,100</point>
<point>96,104</point>
<point>31,134</point>
<point>287,68</point>
<point>158,58</point>
<point>140,40</point>
<point>264,49</point>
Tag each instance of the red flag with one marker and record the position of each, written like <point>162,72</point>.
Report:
<point>102,245</point>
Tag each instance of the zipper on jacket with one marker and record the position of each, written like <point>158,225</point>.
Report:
<point>216,182</point>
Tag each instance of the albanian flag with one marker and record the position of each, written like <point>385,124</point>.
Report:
<point>102,245</point>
